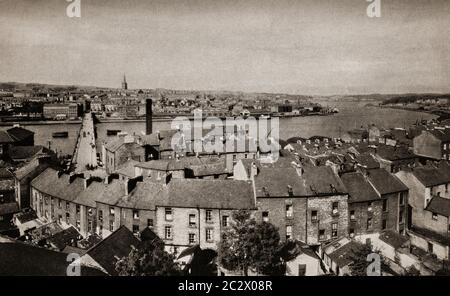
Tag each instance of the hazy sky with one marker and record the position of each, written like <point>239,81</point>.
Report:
<point>309,47</point>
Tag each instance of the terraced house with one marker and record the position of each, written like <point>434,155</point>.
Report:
<point>429,206</point>
<point>377,202</point>
<point>307,204</point>
<point>182,212</point>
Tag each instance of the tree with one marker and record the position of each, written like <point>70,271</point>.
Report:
<point>359,257</point>
<point>250,245</point>
<point>149,260</point>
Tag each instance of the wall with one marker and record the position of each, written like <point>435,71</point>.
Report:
<point>326,217</point>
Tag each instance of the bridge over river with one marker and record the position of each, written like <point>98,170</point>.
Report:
<point>85,153</point>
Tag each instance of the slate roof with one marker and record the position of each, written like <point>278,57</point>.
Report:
<point>367,161</point>
<point>19,133</point>
<point>162,165</point>
<point>443,135</point>
<point>274,182</point>
<point>431,176</point>
<point>49,183</point>
<point>343,255</point>
<point>394,153</point>
<point>359,189</point>
<point>315,181</point>
<point>384,182</point>
<point>127,169</point>
<point>394,239</point>
<point>117,244</point>
<point>5,138</point>
<point>63,238</point>
<point>27,169</point>
<point>439,205</point>
<point>213,194</point>
<point>26,152</point>
<point>19,259</point>
<point>25,216</point>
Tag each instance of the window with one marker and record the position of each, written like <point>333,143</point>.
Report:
<point>400,216</point>
<point>135,229</point>
<point>352,232</point>
<point>59,204</point>
<point>89,226</point>
<point>301,269</point>
<point>78,209</point>
<point>111,211</point>
<point>265,216</point>
<point>313,216</point>
<point>111,226</point>
<point>191,238</point>
<point>208,216</point>
<point>90,211</point>
<point>369,223</point>
<point>168,233</point>
<point>67,206</point>
<point>402,198</point>
<point>149,223</point>
<point>369,206</point>
<point>434,217</point>
<point>385,205</point>
<point>288,232</point>
<point>209,234</point>
<point>384,224</point>
<point>334,230</point>
<point>192,220</point>
<point>352,215</point>
<point>135,214</point>
<point>67,217</point>
<point>321,234</point>
<point>59,219</point>
<point>289,211</point>
<point>335,206</point>
<point>78,225</point>
<point>168,213</point>
<point>100,215</point>
<point>225,221</point>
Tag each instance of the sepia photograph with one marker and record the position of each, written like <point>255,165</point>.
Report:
<point>235,139</point>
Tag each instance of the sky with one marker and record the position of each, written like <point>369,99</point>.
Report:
<point>313,47</point>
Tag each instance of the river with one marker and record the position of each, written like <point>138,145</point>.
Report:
<point>351,115</point>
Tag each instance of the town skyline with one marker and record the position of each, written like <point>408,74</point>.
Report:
<point>302,47</point>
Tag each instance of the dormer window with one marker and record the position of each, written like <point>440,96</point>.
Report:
<point>434,216</point>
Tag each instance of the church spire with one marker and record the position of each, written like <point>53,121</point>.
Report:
<point>124,82</point>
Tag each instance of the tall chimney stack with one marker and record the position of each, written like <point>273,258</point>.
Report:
<point>148,117</point>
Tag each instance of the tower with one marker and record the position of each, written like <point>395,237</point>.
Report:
<point>124,82</point>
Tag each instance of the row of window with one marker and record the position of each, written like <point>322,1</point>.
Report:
<point>321,234</point>
<point>192,238</point>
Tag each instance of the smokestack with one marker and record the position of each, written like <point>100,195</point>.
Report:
<point>148,117</point>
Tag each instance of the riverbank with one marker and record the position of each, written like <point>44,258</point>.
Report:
<point>441,114</point>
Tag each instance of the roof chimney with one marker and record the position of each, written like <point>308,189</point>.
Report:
<point>290,191</point>
<point>253,170</point>
<point>72,177</point>
<point>148,117</point>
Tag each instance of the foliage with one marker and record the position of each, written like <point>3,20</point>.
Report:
<point>251,245</point>
<point>359,256</point>
<point>149,260</point>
